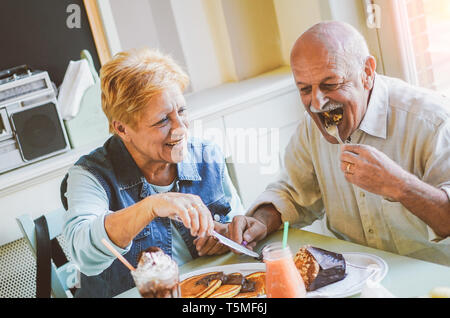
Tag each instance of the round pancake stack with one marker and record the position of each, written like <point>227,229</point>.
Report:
<point>260,285</point>
<point>190,288</point>
<point>210,285</point>
<point>227,290</point>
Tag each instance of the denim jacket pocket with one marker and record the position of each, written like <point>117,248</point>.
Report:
<point>219,209</point>
<point>144,233</point>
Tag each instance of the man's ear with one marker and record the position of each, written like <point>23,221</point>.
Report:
<point>369,72</point>
<point>121,130</point>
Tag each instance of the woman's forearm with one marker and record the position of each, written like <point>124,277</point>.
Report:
<point>123,225</point>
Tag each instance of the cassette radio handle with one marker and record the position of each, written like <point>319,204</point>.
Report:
<point>18,70</point>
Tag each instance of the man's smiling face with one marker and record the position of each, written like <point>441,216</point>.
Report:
<point>329,85</point>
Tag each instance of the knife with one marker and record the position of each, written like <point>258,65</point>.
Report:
<point>230,243</point>
<point>236,246</point>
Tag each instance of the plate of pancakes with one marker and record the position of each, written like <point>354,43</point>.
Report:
<point>248,280</point>
<point>245,280</point>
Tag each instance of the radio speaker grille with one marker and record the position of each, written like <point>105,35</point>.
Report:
<point>39,131</point>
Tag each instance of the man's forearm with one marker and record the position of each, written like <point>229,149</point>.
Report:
<point>269,216</point>
<point>428,203</point>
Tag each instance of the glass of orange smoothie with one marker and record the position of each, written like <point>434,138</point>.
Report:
<point>282,277</point>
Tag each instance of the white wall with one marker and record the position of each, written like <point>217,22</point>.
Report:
<point>135,24</point>
<point>220,41</point>
<point>216,20</point>
<point>193,32</point>
<point>216,41</point>
<point>294,17</point>
<point>254,36</point>
<point>200,44</point>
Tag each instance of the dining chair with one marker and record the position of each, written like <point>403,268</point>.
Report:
<point>65,277</point>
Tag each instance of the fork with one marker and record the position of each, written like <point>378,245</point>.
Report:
<point>333,131</point>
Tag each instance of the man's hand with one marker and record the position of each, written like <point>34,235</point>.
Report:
<point>248,229</point>
<point>265,220</point>
<point>372,170</point>
<point>209,245</point>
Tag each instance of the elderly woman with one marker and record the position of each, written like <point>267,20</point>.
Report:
<point>148,185</point>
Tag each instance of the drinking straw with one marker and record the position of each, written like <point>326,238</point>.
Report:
<point>117,254</point>
<point>285,233</point>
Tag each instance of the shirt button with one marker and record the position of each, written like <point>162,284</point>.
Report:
<point>216,217</point>
<point>370,231</point>
<point>362,194</point>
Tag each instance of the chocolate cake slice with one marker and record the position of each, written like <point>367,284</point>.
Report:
<point>319,267</point>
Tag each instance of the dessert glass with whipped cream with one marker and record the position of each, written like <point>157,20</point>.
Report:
<point>156,275</point>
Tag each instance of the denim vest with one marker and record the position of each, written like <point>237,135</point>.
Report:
<point>201,173</point>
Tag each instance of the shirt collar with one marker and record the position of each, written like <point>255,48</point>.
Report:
<point>375,119</point>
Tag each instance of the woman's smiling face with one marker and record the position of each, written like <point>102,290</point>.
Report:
<point>160,134</point>
<point>328,82</point>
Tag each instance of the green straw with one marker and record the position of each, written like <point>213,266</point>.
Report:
<point>285,233</point>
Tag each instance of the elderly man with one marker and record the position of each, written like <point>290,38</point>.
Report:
<point>388,187</point>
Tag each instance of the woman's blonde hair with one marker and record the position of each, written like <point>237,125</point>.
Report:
<point>132,78</point>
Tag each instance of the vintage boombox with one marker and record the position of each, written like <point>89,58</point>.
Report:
<point>30,125</point>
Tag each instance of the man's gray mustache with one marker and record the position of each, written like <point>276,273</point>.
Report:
<point>328,107</point>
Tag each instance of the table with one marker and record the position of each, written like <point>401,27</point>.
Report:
<point>407,277</point>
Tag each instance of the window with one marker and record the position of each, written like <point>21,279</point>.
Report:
<point>429,21</point>
<point>414,41</point>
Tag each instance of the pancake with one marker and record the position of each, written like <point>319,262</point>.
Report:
<point>200,286</point>
<point>213,286</point>
<point>226,291</point>
<point>231,285</point>
<point>259,280</point>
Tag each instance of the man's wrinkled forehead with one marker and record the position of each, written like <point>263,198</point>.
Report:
<point>320,65</point>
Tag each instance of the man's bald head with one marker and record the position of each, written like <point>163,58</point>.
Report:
<point>339,39</point>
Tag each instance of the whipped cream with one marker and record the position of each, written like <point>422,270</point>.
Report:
<point>156,267</point>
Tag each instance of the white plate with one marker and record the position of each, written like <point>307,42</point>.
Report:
<point>360,267</point>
